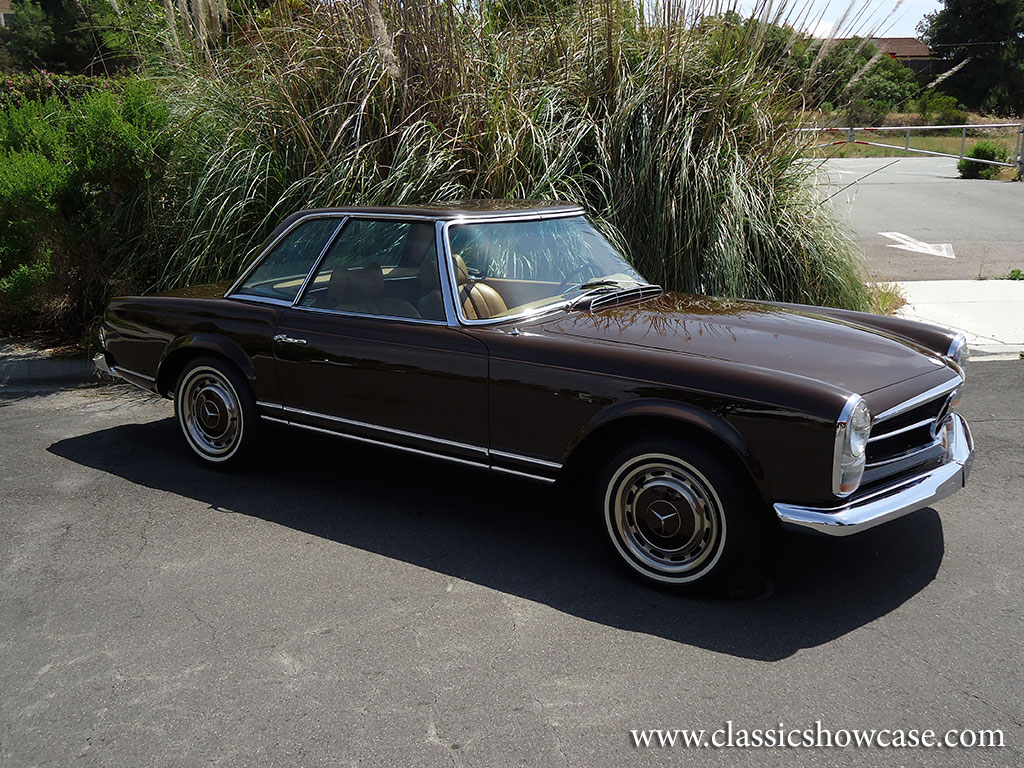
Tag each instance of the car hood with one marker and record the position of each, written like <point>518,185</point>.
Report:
<point>799,341</point>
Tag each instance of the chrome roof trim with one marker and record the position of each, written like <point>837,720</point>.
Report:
<point>263,254</point>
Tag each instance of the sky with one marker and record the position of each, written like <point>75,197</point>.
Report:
<point>897,20</point>
<point>844,18</point>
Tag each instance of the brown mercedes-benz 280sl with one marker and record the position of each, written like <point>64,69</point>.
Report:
<point>513,337</point>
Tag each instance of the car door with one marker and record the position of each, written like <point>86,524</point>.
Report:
<point>367,352</point>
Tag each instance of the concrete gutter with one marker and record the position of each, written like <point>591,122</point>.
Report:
<point>989,312</point>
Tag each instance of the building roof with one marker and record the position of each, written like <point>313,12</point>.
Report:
<point>5,6</point>
<point>902,47</point>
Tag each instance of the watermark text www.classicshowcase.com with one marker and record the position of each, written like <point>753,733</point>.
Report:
<point>819,736</point>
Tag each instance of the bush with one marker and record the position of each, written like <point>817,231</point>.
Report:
<point>40,85</point>
<point>888,85</point>
<point>76,190</point>
<point>866,112</point>
<point>983,150</point>
<point>941,108</point>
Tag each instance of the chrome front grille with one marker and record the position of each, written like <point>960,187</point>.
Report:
<point>909,432</point>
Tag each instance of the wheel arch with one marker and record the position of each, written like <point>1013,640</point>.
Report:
<point>612,429</point>
<point>184,348</point>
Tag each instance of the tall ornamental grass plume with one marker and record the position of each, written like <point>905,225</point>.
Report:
<point>666,123</point>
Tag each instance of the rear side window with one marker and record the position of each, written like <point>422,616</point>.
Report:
<point>281,273</point>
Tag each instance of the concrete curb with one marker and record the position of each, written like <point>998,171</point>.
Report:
<point>33,369</point>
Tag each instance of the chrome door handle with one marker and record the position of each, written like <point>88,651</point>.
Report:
<point>288,339</point>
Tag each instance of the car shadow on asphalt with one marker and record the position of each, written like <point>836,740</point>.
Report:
<point>528,540</point>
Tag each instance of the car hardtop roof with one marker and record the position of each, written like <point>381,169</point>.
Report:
<point>455,209</point>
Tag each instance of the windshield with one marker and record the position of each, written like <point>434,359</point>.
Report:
<point>509,267</point>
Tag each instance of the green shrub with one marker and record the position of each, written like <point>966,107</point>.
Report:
<point>17,287</point>
<point>40,85</point>
<point>888,85</point>
<point>983,150</point>
<point>867,112</point>
<point>941,109</point>
<point>76,193</point>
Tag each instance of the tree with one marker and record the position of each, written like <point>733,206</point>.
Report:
<point>52,34</point>
<point>987,38</point>
<point>29,37</point>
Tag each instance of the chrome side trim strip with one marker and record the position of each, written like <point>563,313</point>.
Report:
<point>526,459</point>
<point>522,474</point>
<point>343,313</point>
<point>259,299</point>
<point>118,369</point>
<point>390,430</point>
<point>900,431</point>
<point>932,394</point>
<point>384,444</point>
<point>440,441</point>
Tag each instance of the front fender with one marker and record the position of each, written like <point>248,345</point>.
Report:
<point>674,412</point>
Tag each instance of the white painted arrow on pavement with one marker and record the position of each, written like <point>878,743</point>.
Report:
<point>906,243</point>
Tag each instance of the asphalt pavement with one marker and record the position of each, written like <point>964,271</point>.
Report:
<point>345,606</point>
<point>924,200</point>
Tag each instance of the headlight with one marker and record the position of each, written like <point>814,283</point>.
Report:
<point>958,351</point>
<point>852,431</point>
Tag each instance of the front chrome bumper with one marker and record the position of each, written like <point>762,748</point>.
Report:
<point>896,500</point>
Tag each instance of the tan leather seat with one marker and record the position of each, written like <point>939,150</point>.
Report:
<point>361,290</point>
<point>479,300</point>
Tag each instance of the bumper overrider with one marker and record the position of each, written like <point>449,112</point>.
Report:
<point>99,362</point>
<point>888,503</point>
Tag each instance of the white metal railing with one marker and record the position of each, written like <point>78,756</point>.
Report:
<point>851,131</point>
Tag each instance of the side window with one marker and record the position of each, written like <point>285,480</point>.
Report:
<point>377,267</point>
<point>281,273</point>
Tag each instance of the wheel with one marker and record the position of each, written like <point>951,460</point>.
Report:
<point>675,515</point>
<point>216,411</point>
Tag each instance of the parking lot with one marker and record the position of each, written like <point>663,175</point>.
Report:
<point>344,606</point>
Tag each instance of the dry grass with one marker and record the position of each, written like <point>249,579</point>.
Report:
<point>886,298</point>
<point>670,130</point>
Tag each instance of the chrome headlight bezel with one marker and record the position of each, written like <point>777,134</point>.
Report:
<point>853,428</point>
<point>958,351</point>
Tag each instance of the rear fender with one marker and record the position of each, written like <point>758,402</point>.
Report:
<point>197,343</point>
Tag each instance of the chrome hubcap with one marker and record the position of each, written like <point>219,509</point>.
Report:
<point>665,517</point>
<point>210,413</point>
